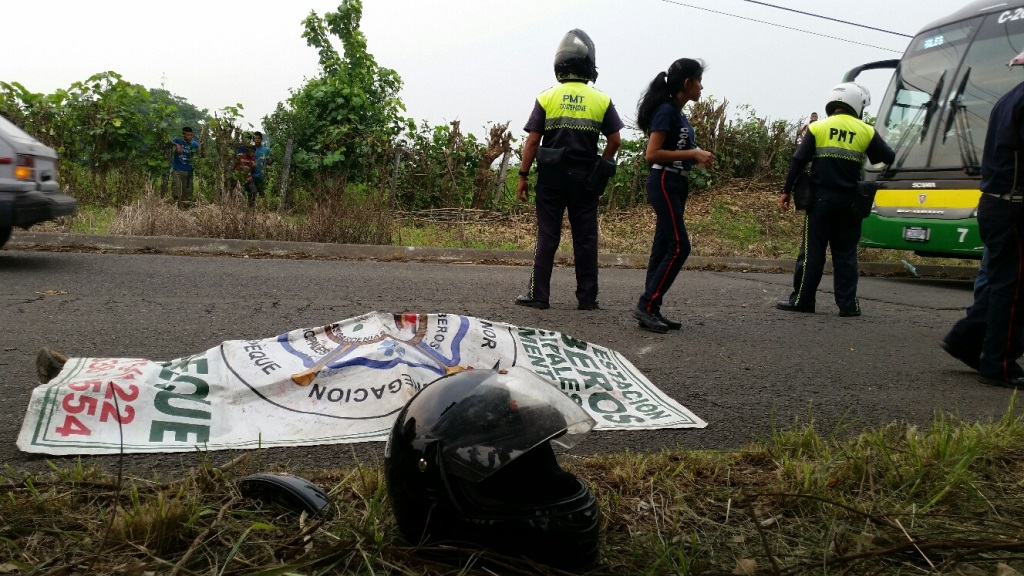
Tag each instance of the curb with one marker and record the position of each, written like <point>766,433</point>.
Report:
<point>54,241</point>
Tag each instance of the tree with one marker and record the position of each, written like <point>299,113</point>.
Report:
<point>344,120</point>
<point>184,112</point>
<point>103,122</point>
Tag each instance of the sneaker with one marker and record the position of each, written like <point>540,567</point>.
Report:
<point>849,313</point>
<point>527,301</point>
<point>591,306</point>
<point>672,324</point>
<point>790,307</point>
<point>649,321</point>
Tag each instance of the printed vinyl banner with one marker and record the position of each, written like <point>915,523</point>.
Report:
<point>345,382</point>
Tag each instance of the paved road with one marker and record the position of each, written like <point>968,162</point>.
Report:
<point>738,363</point>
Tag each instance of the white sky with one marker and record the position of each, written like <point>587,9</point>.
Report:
<point>478,61</point>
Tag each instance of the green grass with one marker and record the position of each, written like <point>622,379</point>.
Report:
<point>92,219</point>
<point>732,225</point>
<point>943,499</point>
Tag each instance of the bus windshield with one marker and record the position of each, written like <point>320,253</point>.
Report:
<point>935,112</point>
<point>922,78</point>
<point>983,77</point>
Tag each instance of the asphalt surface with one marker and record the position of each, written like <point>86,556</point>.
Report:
<point>738,363</point>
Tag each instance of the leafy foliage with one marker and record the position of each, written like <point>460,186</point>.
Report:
<point>746,147</point>
<point>104,122</point>
<point>102,126</point>
<point>344,120</point>
<point>184,112</point>
<point>436,168</point>
<point>346,128</point>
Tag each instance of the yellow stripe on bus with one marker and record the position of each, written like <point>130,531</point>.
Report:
<point>927,198</point>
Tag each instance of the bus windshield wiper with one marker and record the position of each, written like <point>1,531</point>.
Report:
<point>932,105</point>
<point>929,108</point>
<point>958,120</point>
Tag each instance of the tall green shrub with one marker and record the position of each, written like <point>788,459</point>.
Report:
<point>344,121</point>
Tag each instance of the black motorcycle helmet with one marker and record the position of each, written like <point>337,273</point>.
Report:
<point>576,57</point>
<point>469,462</point>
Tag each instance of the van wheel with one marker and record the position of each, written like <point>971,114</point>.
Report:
<point>5,235</point>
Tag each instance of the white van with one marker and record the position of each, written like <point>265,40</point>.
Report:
<point>29,192</point>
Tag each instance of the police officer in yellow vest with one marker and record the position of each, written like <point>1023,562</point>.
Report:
<point>564,130</point>
<point>838,146</point>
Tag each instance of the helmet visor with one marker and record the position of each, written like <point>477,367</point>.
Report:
<point>502,418</point>
<point>575,45</point>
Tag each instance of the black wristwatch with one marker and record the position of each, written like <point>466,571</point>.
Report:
<point>524,173</point>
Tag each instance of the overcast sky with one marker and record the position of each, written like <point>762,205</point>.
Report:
<point>477,61</point>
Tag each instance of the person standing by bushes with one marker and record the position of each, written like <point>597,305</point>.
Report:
<point>262,155</point>
<point>181,166</point>
<point>245,164</point>
<point>564,129</point>
<point>803,129</point>
<point>671,152</point>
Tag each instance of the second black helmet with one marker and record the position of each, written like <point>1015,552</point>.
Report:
<point>576,57</point>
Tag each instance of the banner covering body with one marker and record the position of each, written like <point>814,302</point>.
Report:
<point>344,382</point>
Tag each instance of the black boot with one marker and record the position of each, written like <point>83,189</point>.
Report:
<point>790,307</point>
<point>672,324</point>
<point>649,322</point>
<point>527,301</point>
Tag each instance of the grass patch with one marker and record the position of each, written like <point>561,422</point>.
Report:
<point>474,229</point>
<point>338,219</point>
<point>93,219</point>
<point>892,500</point>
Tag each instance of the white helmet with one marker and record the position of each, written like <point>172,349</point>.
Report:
<point>849,95</point>
<point>1018,60</point>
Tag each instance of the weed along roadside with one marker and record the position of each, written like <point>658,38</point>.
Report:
<point>735,226</point>
<point>894,500</point>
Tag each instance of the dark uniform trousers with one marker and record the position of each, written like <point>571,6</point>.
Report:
<point>554,196</point>
<point>993,328</point>
<point>831,222</point>
<point>667,193</point>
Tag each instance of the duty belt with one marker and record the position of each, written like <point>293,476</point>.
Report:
<point>1003,196</point>
<point>671,169</point>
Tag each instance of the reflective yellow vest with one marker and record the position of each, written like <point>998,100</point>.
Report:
<point>840,144</point>
<point>573,116</point>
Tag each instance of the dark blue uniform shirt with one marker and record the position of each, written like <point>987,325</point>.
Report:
<point>1002,164</point>
<point>679,134</point>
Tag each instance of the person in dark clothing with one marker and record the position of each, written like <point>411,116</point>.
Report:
<point>990,338</point>
<point>838,146</point>
<point>564,129</point>
<point>671,152</point>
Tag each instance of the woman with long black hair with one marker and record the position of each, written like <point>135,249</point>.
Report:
<point>671,152</point>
